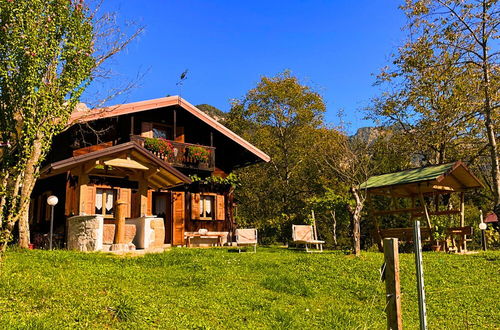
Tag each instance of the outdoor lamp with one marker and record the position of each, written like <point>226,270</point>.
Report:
<point>52,201</point>
<point>483,226</point>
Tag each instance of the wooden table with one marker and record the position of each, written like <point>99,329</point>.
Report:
<point>207,235</point>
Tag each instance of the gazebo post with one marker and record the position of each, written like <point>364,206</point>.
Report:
<point>424,205</point>
<point>462,209</point>
<point>376,224</point>
<point>463,246</point>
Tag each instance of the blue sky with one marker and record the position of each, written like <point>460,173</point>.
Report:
<point>333,46</point>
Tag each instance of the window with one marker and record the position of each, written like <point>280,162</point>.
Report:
<point>162,132</point>
<point>207,207</point>
<point>105,202</point>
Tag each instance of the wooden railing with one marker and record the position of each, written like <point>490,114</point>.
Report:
<point>180,156</point>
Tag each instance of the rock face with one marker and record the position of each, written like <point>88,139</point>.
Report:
<point>85,233</point>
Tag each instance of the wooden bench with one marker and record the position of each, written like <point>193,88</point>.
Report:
<point>453,235</point>
<point>459,234</point>
<point>405,234</point>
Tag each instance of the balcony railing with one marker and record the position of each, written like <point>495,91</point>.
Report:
<point>180,154</point>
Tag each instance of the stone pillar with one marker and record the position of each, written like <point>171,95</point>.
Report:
<point>85,233</point>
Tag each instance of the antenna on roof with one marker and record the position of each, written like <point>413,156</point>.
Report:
<point>180,83</point>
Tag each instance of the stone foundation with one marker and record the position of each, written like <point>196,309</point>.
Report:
<point>85,233</point>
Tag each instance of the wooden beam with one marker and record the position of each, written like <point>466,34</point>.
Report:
<point>126,163</point>
<point>444,188</point>
<point>446,212</point>
<point>395,211</point>
<point>424,205</point>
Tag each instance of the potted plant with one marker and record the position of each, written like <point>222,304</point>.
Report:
<point>160,147</point>
<point>439,236</point>
<point>198,154</point>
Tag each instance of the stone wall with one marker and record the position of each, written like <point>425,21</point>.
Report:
<point>85,232</point>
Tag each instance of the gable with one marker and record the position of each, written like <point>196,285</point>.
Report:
<point>136,107</point>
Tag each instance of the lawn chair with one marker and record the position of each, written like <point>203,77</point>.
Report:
<point>304,234</point>
<point>246,237</point>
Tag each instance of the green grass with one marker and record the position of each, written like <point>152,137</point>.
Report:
<point>216,288</point>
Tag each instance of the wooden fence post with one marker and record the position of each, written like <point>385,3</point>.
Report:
<point>392,288</point>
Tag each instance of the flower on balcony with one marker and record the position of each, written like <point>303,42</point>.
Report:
<point>160,145</point>
<point>198,153</point>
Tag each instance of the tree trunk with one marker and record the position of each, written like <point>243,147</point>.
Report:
<point>19,187</point>
<point>490,129</point>
<point>356,221</point>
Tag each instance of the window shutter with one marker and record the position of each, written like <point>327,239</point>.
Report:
<point>147,129</point>
<point>89,200</point>
<point>195,206</point>
<point>220,209</point>
<point>125,195</point>
<point>178,218</point>
<point>134,205</point>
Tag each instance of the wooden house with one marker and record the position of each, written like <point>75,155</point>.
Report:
<point>145,154</point>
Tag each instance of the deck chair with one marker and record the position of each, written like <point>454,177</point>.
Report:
<point>304,234</point>
<point>246,237</point>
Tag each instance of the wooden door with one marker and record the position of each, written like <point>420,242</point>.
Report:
<point>178,216</point>
<point>162,208</point>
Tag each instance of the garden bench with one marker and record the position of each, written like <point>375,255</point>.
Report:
<point>246,237</point>
<point>304,234</point>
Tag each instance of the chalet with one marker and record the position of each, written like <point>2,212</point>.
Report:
<point>153,157</point>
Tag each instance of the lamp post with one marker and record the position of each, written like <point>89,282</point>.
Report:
<point>483,227</point>
<point>52,201</point>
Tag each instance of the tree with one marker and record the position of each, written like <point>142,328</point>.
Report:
<point>280,116</point>
<point>428,105</point>
<point>468,30</point>
<point>351,163</point>
<point>50,51</point>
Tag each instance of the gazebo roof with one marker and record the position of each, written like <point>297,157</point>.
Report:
<point>445,178</point>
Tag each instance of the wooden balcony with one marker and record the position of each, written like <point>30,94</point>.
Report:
<point>179,155</point>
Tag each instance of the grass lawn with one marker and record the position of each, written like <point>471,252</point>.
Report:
<point>216,288</point>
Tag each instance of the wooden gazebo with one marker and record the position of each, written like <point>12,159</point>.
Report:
<point>418,185</point>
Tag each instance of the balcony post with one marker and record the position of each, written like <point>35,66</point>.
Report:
<point>175,124</point>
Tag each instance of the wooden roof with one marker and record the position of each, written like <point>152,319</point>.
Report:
<point>128,156</point>
<point>129,108</point>
<point>444,178</point>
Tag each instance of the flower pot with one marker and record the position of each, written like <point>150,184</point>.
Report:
<point>436,248</point>
<point>31,246</point>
